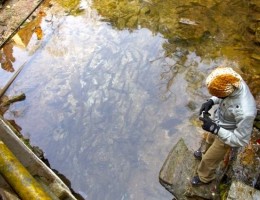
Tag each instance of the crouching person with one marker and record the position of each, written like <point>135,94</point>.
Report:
<point>232,122</point>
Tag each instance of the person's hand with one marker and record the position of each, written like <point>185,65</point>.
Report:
<point>209,125</point>
<point>206,106</point>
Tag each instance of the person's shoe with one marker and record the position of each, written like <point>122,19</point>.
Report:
<point>197,182</point>
<point>198,154</point>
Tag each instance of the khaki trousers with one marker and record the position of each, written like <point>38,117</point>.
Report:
<point>211,158</point>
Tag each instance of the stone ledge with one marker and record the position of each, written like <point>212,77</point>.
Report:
<point>178,169</point>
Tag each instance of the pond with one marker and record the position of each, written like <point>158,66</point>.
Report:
<point>107,95</point>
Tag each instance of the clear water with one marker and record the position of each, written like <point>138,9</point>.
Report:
<point>107,105</point>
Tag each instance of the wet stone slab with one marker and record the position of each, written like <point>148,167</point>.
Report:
<point>178,169</point>
<point>12,15</point>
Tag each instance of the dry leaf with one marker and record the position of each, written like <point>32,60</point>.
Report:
<point>38,32</point>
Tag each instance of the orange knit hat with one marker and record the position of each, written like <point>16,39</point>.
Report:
<point>222,81</point>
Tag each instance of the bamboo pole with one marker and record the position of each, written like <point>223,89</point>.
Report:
<point>19,178</point>
<point>2,91</point>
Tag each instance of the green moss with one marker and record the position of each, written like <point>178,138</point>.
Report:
<point>224,188</point>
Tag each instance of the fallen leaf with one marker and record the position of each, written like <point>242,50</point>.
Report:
<point>38,32</point>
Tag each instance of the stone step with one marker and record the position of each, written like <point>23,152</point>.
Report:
<point>177,171</point>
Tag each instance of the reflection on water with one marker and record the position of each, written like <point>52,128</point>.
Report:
<point>7,58</point>
<point>105,104</point>
<point>210,28</point>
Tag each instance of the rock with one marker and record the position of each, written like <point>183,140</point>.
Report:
<point>240,191</point>
<point>145,10</point>
<point>177,171</point>
<point>245,168</point>
<point>255,56</point>
<point>132,22</point>
<point>187,21</point>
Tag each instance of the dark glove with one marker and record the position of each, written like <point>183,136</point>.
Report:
<point>209,125</point>
<point>206,106</point>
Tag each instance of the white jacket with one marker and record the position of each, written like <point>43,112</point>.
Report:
<point>235,115</point>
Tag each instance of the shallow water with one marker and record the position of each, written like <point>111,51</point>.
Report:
<point>107,105</point>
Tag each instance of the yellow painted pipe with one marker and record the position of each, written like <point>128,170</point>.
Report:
<point>19,178</point>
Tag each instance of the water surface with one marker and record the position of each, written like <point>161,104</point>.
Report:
<point>107,104</point>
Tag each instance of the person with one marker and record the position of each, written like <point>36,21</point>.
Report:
<point>231,124</point>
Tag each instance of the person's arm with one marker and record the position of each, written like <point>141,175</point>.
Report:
<point>216,100</point>
<point>241,135</point>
